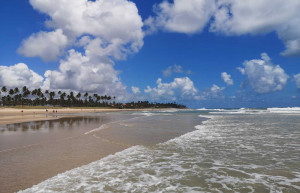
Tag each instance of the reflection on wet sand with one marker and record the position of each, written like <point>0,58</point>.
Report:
<point>34,151</point>
<point>70,123</point>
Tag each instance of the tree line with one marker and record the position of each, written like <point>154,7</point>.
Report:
<point>38,97</point>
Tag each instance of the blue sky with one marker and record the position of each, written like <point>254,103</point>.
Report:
<point>181,58</point>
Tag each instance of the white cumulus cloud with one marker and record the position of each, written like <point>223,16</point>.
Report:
<point>83,73</point>
<point>112,21</point>
<point>19,75</point>
<point>179,89</point>
<point>231,17</point>
<point>135,90</point>
<point>235,17</point>
<point>46,45</point>
<point>215,92</point>
<point>297,79</point>
<point>183,16</point>
<point>263,76</point>
<point>175,69</point>
<point>103,29</point>
<point>227,78</point>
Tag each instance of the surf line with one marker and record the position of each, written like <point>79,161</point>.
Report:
<point>105,125</point>
<point>111,141</point>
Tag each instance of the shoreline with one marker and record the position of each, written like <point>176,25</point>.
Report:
<point>64,147</point>
<point>15,115</point>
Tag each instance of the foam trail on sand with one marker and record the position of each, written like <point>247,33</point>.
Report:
<point>105,126</point>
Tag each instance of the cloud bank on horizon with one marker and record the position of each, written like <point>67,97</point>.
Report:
<point>87,37</point>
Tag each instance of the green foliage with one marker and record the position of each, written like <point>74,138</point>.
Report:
<point>36,98</point>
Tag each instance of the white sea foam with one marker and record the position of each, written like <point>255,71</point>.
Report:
<point>145,113</point>
<point>205,109</point>
<point>225,153</point>
<point>105,126</point>
<point>169,110</point>
<point>289,110</point>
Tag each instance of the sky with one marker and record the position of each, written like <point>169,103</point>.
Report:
<point>201,53</point>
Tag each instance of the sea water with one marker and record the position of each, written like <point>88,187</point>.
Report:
<point>237,150</point>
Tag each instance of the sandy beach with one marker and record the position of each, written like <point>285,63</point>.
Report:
<point>31,152</point>
<point>14,115</point>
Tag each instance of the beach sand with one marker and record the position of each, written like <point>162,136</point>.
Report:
<point>33,152</point>
<point>15,115</point>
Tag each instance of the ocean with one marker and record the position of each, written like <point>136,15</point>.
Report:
<point>225,150</point>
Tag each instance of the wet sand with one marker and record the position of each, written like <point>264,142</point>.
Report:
<point>33,152</point>
<point>13,115</point>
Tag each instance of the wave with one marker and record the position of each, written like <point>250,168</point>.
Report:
<point>204,109</point>
<point>288,110</point>
<point>105,126</point>
<point>144,113</point>
<point>224,153</point>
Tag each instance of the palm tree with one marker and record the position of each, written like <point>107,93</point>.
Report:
<point>24,89</point>
<point>102,98</point>
<point>34,92</point>
<point>51,95</point>
<point>62,98</point>
<point>39,92</point>
<point>25,94</point>
<point>105,98</point>
<point>90,99</point>
<point>47,93</point>
<point>16,90</point>
<point>40,95</point>
<point>109,98</point>
<point>11,93</point>
<point>96,98</point>
<point>8,99</point>
<point>17,98</point>
<point>78,96</point>
<point>86,95</point>
<point>4,89</point>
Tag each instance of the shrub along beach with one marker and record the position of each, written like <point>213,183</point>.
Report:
<point>23,105</point>
<point>24,98</point>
